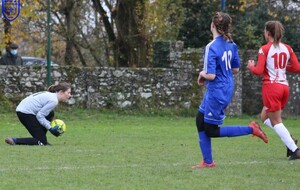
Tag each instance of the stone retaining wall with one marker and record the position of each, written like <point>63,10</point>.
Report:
<point>173,86</point>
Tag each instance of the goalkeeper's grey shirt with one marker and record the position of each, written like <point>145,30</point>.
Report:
<point>39,104</point>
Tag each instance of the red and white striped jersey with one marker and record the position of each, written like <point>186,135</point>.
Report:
<point>274,61</point>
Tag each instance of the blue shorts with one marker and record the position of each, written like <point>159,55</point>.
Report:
<point>214,103</point>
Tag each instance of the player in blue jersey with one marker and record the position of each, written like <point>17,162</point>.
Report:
<point>35,112</point>
<point>221,61</point>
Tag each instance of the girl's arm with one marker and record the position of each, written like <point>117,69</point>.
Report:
<point>294,66</point>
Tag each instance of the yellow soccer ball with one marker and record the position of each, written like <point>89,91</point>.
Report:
<point>61,125</point>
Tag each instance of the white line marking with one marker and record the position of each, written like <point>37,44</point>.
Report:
<point>140,166</point>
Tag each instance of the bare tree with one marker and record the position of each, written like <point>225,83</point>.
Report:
<point>69,9</point>
<point>128,41</point>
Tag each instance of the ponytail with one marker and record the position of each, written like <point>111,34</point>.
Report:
<point>223,21</point>
<point>51,88</point>
<point>276,30</point>
<point>62,86</point>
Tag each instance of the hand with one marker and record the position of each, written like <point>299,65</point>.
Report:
<point>54,130</point>
<point>201,79</point>
<point>250,63</point>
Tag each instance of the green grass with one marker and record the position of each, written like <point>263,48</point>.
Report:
<point>119,151</point>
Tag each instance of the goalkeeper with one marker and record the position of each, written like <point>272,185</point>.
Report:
<point>35,112</point>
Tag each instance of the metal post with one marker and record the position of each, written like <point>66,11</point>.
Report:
<point>223,5</point>
<point>49,42</point>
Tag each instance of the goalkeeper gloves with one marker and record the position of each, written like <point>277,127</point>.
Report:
<point>54,130</point>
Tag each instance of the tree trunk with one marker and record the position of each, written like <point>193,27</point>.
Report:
<point>69,57</point>
<point>70,14</point>
<point>132,45</point>
<point>7,33</point>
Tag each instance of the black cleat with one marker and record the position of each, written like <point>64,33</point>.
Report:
<point>288,151</point>
<point>295,155</point>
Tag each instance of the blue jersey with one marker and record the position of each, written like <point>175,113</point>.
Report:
<point>220,56</point>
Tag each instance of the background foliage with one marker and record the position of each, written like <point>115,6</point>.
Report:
<point>122,32</point>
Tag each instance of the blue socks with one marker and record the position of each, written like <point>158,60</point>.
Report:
<point>226,131</point>
<point>233,131</point>
<point>205,146</point>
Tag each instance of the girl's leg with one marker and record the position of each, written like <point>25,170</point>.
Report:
<point>265,119</point>
<point>37,131</point>
<point>204,140</point>
<point>281,130</point>
<point>235,131</point>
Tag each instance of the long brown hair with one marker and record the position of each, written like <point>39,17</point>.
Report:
<point>276,30</point>
<point>223,21</point>
<point>62,86</point>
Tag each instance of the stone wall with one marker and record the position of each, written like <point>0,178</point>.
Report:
<point>171,86</point>
<point>106,87</point>
<point>251,95</point>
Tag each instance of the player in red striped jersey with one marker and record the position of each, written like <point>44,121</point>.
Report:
<point>274,59</point>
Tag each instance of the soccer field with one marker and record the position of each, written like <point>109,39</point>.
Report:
<point>118,151</point>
